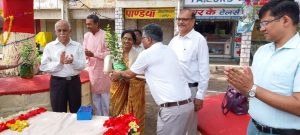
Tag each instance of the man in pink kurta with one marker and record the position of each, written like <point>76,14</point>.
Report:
<point>95,50</point>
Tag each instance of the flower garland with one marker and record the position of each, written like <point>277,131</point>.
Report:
<point>11,18</point>
<point>19,121</point>
<point>122,125</point>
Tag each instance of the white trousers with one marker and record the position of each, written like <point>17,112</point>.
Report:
<point>174,120</point>
<point>101,104</point>
<point>192,130</point>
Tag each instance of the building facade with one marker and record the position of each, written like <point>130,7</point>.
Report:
<point>216,20</point>
<point>47,12</point>
<point>136,14</point>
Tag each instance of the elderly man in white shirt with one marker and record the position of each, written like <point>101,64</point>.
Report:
<point>192,52</point>
<point>64,59</point>
<point>165,79</point>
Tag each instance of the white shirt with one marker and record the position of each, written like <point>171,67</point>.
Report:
<point>51,59</point>
<point>192,52</point>
<point>163,74</point>
<point>139,48</point>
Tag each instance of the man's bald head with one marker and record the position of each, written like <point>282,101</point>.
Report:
<point>62,22</point>
<point>63,31</point>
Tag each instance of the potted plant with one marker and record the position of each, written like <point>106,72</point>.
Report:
<point>116,51</point>
<point>28,58</point>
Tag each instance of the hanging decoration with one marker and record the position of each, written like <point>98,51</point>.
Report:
<point>18,41</point>
<point>4,40</point>
<point>250,14</point>
<point>247,20</point>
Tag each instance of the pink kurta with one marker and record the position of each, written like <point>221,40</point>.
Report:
<point>96,44</point>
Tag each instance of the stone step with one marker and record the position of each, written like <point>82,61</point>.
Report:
<point>216,68</point>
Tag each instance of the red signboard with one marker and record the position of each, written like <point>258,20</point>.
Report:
<point>22,12</point>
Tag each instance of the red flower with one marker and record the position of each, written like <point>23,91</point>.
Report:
<point>12,121</point>
<point>119,125</point>
<point>110,131</point>
<point>23,117</point>
<point>3,127</point>
<point>41,110</point>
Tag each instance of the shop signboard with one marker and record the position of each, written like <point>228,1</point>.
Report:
<point>213,3</point>
<point>150,13</point>
<point>260,2</point>
<point>218,13</point>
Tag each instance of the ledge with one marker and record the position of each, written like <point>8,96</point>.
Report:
<point>39,83</point>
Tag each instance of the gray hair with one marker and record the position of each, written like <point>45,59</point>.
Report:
<point>153,31</point>
<point>63,22</point>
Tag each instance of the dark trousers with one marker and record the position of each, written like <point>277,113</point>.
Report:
<point>63,91</point>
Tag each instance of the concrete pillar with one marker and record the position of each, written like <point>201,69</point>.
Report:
<point>43,25</point>
<point>177,10</point>
<point>79,31</point>
<point>119,22</point>
<point>65,10</point>
<point>245,49</point>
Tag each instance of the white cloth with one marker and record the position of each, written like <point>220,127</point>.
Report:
<point>51,59</point>
<point>163,74</point>
<point>192,52</point>
<point>52,123</point>
<point>139,48</point>
<point>101,103</point>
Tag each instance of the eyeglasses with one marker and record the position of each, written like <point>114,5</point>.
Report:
<point>265,23</point>
<point>184,19</point>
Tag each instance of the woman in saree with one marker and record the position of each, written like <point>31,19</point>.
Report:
<point>128,95</point>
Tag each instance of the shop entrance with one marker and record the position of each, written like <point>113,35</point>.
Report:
<point>220,38</point>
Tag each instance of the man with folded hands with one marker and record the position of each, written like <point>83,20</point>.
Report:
<point>166,82</point>
<point>273,82</point>
<point>64,59</point>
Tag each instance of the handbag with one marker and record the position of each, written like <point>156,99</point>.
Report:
<point>235,102</point>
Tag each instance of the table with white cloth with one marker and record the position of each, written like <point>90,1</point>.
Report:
<point>53,123</point>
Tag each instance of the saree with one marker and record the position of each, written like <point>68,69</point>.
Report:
<point>128,95</point>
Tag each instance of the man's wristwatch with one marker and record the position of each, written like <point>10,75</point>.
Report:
<point>252,91</point>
